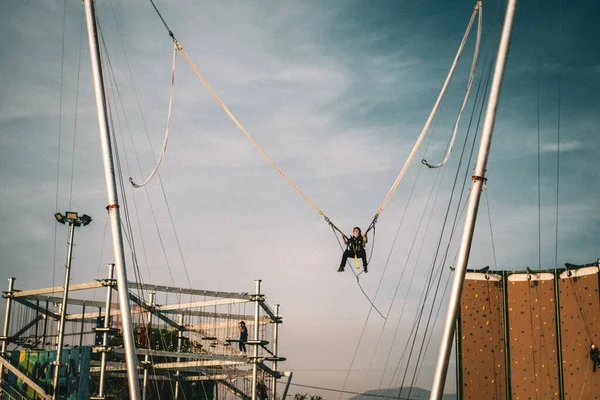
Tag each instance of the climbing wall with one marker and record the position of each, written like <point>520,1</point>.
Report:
<point>483,367</point>
<point>580,327</point>
<point>532,336</point>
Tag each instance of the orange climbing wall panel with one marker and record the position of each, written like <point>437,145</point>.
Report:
<point>580,327</point>
<point>532,336</point>
<point>483,366</point>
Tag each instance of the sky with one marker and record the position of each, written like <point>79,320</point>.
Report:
<point>336,93</point>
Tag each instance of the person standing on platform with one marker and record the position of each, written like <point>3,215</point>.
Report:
<point>243,336</point>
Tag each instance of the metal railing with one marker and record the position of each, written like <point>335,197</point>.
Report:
<point>7,392</point>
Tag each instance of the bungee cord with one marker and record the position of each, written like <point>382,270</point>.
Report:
<point>469,84</point>
<point>429,119</point>
<point>166,140</point>
<point>358,279</point>
<point>424,131</point>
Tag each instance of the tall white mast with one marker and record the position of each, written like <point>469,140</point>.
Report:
<point>441,370</point>
<point>113,203</point>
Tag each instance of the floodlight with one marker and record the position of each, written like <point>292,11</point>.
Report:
<point>60,218</point>
<point>85,219</point>
<point>71,215</point>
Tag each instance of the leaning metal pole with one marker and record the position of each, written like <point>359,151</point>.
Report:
<point>256,339</point>
<point>109,290</point>
<point>11,285</point>
<point>441,370</point>
<point>113,203</point>
<point>63,312</point>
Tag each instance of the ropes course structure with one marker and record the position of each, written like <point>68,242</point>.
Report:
<point>170,338</point>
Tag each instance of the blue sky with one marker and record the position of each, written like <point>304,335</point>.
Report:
<point>336,93</point>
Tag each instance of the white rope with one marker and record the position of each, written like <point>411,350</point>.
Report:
<point>464,103</point>
<point>432,114</point>
<point>584,380</point>
<point>164,146</point>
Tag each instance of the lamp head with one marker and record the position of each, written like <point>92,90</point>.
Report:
<point>60,218</point>
<point>85,219</point>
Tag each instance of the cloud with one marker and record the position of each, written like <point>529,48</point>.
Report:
<point>572,145</point>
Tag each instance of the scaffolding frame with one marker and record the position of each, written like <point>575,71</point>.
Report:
<point>231,370</point>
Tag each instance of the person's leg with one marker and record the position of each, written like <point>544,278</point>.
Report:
<point>344,259</point>
<point>363,255</point>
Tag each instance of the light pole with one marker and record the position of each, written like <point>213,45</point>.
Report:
<point>73,220</point>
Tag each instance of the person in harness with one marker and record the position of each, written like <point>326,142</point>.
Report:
<point>594,356</point>
<point>355,248</point>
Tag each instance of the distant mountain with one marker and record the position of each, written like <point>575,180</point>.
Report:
<point>389,394</point>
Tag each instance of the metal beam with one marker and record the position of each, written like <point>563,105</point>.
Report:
<point>112,367</point>
<point>287,385</point>
<point>230,375</point>
<point>24,329</point>
<point>76,302</point>
<point>121,366</point>
<point>154,377</point>
<point>213,315</point>
<point>196,292</point>
<point>195,356</point>
<point>234,390</point>
<point>24,378</point>
<point>268,370</point>
<point>80,286</point>
<point>93,314</point>
<point>270,313</point>
<point>42,310</point>
<point>195,363</point>
<point>200,304</point>
<point>159,314</point>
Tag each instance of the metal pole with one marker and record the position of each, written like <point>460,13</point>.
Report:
<point>459,378</point>
<point>113,203</point>
<point>111,268</point>
<point>256,333</point>
<point>561,379</point>
<point>147,356</point>
<point>179,343</point>
<point>275,334</point>
<point>63,312</point>
<point>441,370</point>
<point>11,283</point>
<point>37,308</point>
<point>506,334</point>
<point>45,326</point>
<point>82,326</point>
<point>287,386</point>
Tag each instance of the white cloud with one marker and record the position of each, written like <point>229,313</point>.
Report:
<point>563,147</point>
